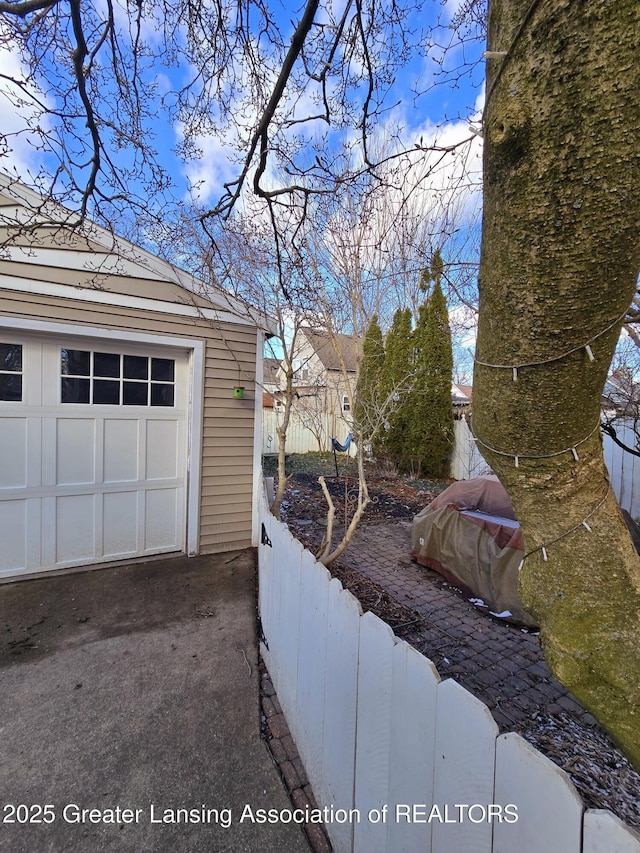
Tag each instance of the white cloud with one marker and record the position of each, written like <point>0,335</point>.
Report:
<point>20,146</point>
<point>212,169</point>
<point>452,7</point>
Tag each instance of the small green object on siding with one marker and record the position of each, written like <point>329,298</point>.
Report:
<point>238,393</point>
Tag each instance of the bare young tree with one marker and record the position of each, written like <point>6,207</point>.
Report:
<point>244,264</point>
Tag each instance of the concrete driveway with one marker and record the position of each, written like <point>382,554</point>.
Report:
<point>132,693</point>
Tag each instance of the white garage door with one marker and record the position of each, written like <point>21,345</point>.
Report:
<point>92,452</point>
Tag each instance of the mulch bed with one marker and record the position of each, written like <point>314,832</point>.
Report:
<point>599,771</point>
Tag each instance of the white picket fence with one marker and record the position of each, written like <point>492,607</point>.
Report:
<point>466,460</point>
<point>624,468</point>
<point>300,439</point>
<point>388,745</point>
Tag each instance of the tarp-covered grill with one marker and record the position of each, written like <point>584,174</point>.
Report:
<point>469,535</point>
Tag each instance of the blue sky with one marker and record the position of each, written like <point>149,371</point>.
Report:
<point>419,106</point>
<point>419,116</point>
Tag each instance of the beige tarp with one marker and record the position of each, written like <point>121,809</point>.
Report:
<point>472,547</point>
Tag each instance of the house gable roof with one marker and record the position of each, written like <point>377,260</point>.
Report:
<point>271,367</point>
<point>46,248</point>
<point>325,349</point>
<point>462,394</point>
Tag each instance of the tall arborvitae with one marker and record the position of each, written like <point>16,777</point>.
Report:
<point>367,406</point>
<point>395,382</point>
<point>430,428</point>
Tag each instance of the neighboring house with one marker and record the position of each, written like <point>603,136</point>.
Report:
<point>270,382</point>
<point>324,384</point>
<point>128,402</point>
<point>325,371</point>
<point>321,393</point>
<point>461,395</point>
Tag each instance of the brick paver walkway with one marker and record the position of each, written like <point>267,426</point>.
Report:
<point>499,663</point>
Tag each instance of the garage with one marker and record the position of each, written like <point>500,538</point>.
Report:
<point>129,397</point>
<point>94,451</point>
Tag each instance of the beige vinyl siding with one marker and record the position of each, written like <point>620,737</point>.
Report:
<point>50,238</point>
<point>230,354</point>
<point>94,279</point>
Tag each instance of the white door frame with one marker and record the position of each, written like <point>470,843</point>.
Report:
<point>195,347</point>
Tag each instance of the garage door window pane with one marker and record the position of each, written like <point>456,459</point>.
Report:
<point>106,364</point>
<point>75,391</point>
<point>11,357</point>
<point>109,379</point>
<point>136,367</point>
<point>106,392</point>
<point>11,373</point>
<point>161,394</point>
<point>75,362</point>
<point>135,394</point>
<point>11,387</point>
<point>162,369</point>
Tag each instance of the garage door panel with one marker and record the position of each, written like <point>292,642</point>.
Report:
<point>120,524</point>
<point>160,529</point>
<point>75,528</point>
<point>75,451</point>
<point>13,536</point>
<point>162,450</point>
<point>86,481</point>
<point>13,452</point>
<point>121,450</point>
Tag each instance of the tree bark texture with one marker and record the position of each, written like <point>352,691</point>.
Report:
<point>559,266</point>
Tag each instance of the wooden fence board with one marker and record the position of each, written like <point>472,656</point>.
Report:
<point>413,714</point>
<point>286,560</point>
<point>312,655</point>
<point>549,808</point>
<point>277,536</point>
<point>279,542</point>
<point>266,585</point>
<point>605,833</point>
<point>463,769</point>
<point>373,733</point>
<point>340,703</point>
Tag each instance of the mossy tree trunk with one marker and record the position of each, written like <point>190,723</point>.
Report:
<point>560,260</point>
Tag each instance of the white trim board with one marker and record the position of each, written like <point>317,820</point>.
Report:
<point>83,260</point>
<point>257,439</point>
